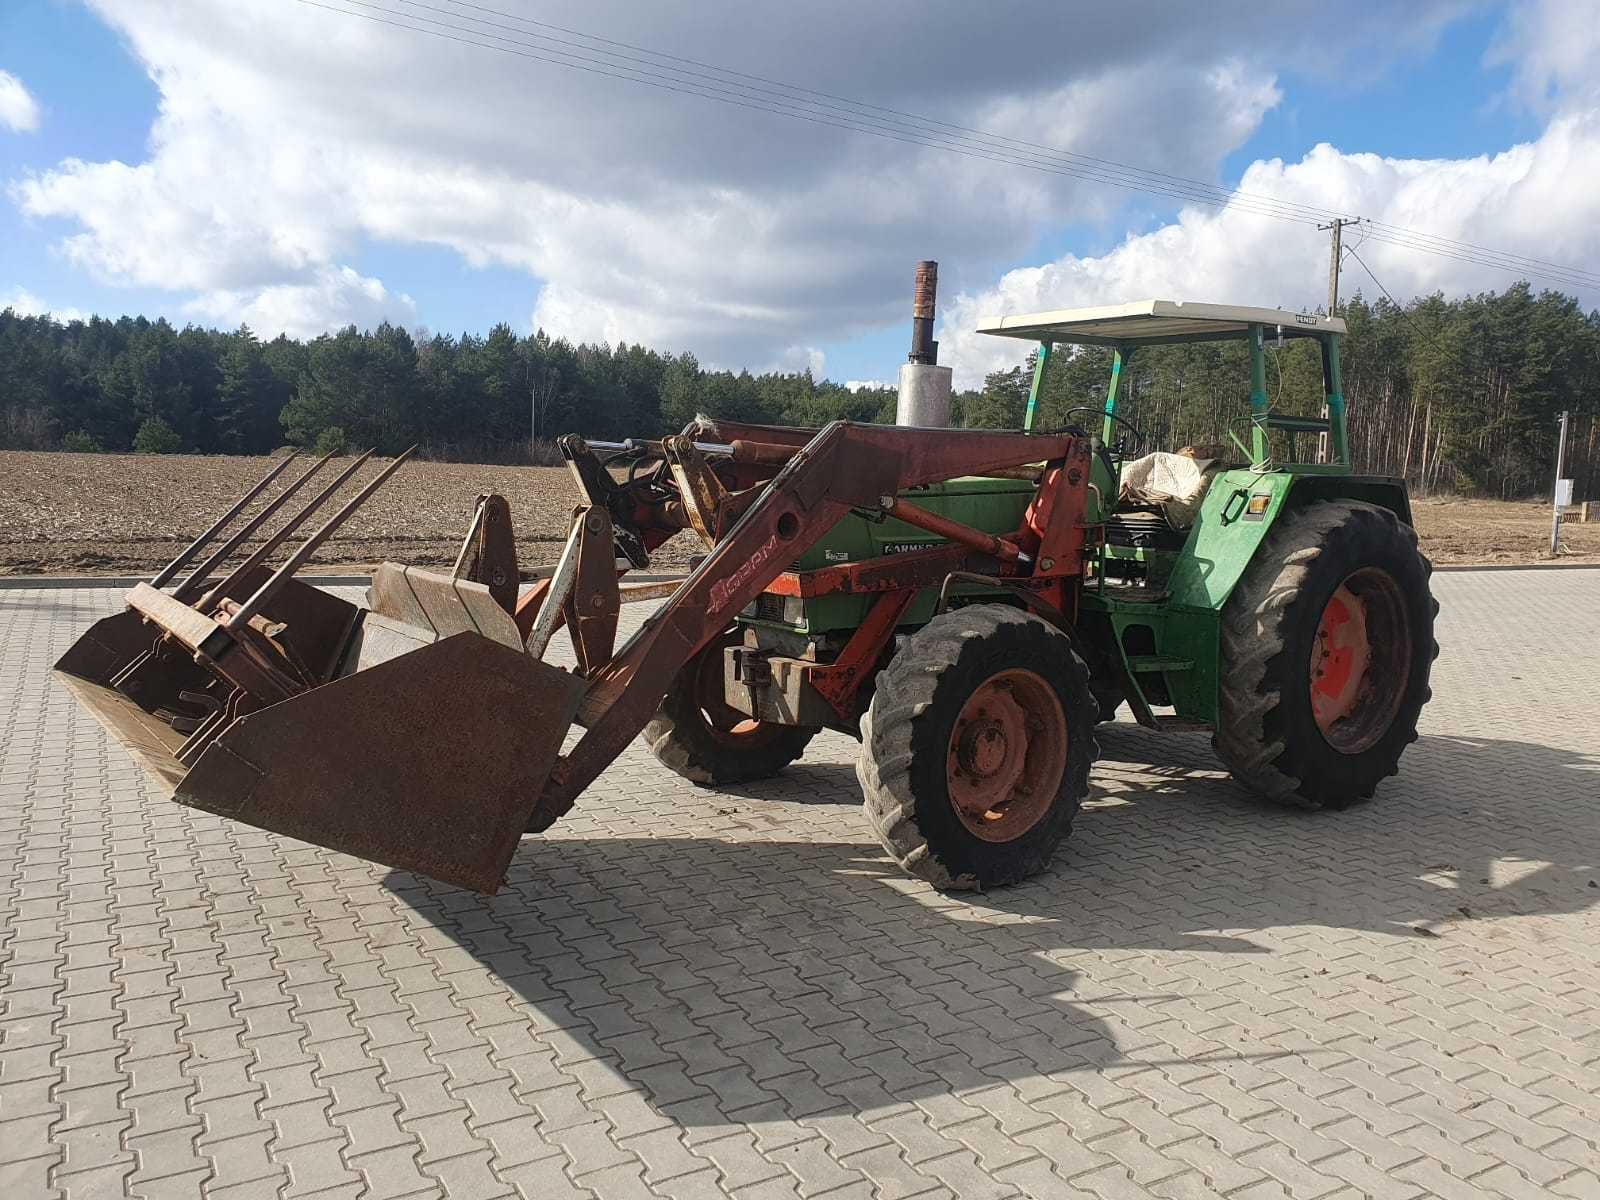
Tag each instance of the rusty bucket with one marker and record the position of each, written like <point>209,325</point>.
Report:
<point>415,732</point>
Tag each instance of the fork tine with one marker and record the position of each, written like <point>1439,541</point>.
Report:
<point>200,543</point>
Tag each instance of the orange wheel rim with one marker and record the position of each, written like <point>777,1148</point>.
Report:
<point>1360,658</point>
<point>725,722</point>
<point>1006,755</point>
<point>1339,658</point>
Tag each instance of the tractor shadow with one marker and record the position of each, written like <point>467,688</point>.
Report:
<point>744,975</point>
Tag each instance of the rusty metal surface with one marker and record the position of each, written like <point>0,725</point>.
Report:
<point>843,466</point>
<point>925,290</point>
<point>126,652</point>
<point>529,606</point>
<point>951,530</point>
<point>553,601</point>
<point>593,603</point>
<point>316,626</point>
<point>197,578</point>
<point>303,552</point>
<point>189,626</point>
<point>731,431</point>
<point>700,492</point>
<point>438,605</point>
<point>766,453</point>
<point>1058,510</point>
<point>277,537</point>
<point>107,647</point>
<point>839,682</point>
<point>659,590</point>
<point>431,762</point>
<point>165,679</point>
<point>489,553</point>
<point>238,506</point>
<point>600,490</point>
<point>885,573</point>
<point>924,350</point>
<point>151,741</point>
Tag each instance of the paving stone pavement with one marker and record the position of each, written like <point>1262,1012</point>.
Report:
<point>686,993</point>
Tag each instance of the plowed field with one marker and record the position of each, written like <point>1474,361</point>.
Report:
<point>129,513</point>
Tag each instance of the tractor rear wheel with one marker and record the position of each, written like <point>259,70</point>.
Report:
<point>975,751</point>
<point>1327,642</point>
<point>698,734</point>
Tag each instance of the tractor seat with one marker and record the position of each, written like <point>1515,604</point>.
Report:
<point>1144,526</point>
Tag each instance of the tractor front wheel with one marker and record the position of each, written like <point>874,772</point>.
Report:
<point>1326,646</point>
<point>702,737</point>
<point>976,748</point>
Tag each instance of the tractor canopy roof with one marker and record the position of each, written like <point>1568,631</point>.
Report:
<point>1157,322</point>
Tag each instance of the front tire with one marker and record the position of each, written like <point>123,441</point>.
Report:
<point>976,748</point>
<point>1327,642</point>
<point>698,734</point>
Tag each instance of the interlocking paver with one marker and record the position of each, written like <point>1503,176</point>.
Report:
<point>686,993</point>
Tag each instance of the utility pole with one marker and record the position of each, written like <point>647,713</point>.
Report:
<point>1335,253</point>
<point>1559,501</point>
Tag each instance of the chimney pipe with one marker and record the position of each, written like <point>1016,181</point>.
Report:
<point>924,293</point>
<point>924,399</point>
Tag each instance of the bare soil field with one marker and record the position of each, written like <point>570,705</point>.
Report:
<point>1499,531</point>
<point>119,514</point>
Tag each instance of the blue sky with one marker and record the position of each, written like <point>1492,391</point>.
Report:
<point>99,104</point>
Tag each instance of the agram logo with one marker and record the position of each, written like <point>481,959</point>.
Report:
<point>723,589</point>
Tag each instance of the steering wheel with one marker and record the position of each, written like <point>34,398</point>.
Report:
<point>1125,447</point>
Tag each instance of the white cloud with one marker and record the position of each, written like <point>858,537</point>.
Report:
<point>333,298</point>
<point>25,304</point>
<point>1522,201</point>
<point>19,111</point>
<point>1552,47</point>
<point>289,137</point>
<point>856,385</point>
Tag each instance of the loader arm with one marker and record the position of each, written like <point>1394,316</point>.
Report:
<point>845,466</point>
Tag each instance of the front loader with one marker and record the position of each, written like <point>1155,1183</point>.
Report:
<point>968,603</point>
<point>426,732</point>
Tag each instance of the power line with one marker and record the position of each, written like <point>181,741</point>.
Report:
<point>1398,307</point>
<point>1571,276</point>
<point>1188,188</point>
<point>677,84</point>
<point>856,108</point>
<point>774,97</point>
<point>969,146</point>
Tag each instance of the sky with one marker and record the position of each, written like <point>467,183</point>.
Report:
<point>275,163</point>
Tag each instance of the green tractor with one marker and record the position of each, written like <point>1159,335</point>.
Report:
<point>1281,604</point>
<point>969,603</point>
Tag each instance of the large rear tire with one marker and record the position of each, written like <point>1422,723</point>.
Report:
<point>1327,642</point>
<point>975,751</point>
<point>696,733</point>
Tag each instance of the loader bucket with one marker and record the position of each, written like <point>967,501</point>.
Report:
<point>417,733</point>
<point>125,652</point>
<point>134,685</point>
<point>427,749</point>
<point>151,694</point>
<point>432,761</point>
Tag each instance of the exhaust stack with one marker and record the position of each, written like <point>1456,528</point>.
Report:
<point>924,385</point>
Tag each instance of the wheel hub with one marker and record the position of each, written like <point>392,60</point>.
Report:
<point>1360,661</point>
<point>1339,658</point>
<point>724,722</point>
<point>1008,750</point>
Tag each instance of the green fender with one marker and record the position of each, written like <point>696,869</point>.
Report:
<point>1223,541</point>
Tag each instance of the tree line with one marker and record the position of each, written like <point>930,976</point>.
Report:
<point>1455,395</point>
